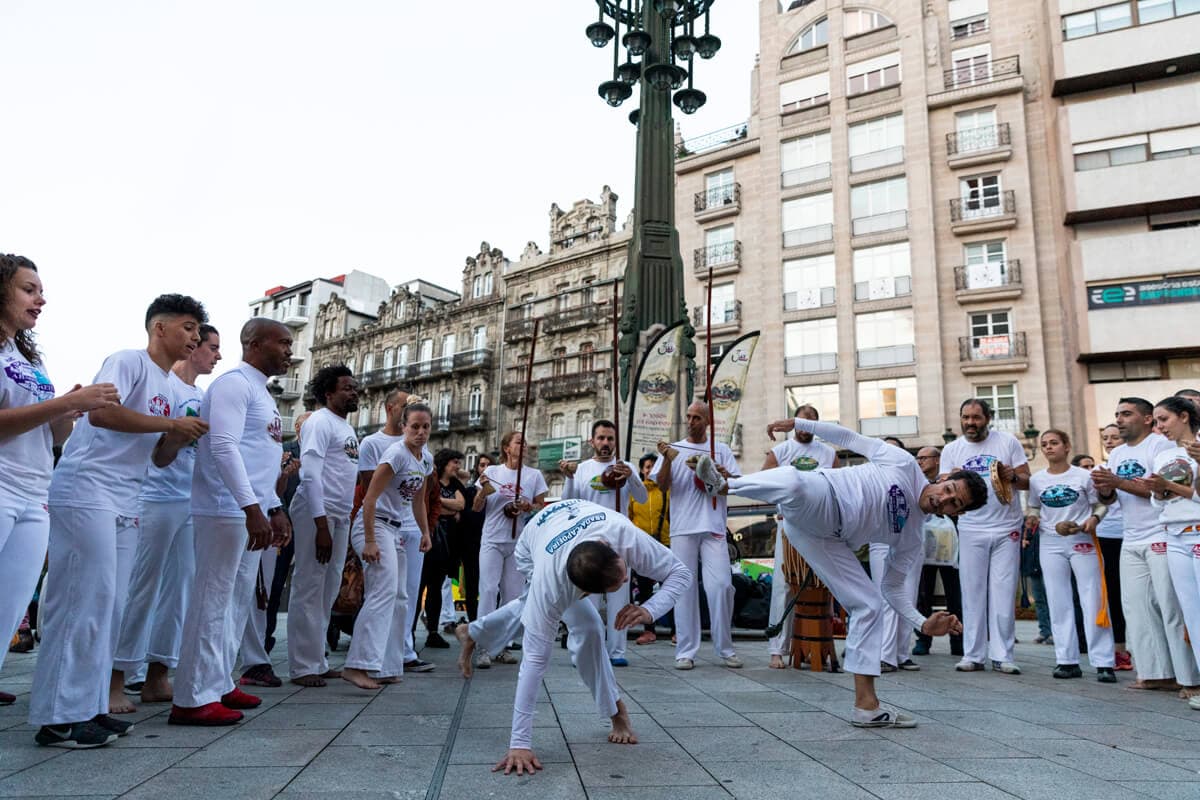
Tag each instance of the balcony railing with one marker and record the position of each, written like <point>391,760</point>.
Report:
<point>571,384</point>
<point>568,318</point>
<point>815,362</point>
<point>883,288</point>
<point>988,275</point>
<point>730,314</point>
<point>803,175</point>
<point>718,197</point>
<point>382,377</point>
<point>716,256</point>
<point>367,430</point>
<point>978,140</point>
<point>518,327</point>
<point>989,205</point>
<point>991,347</point>
<point>514,393</point>
<point>976,73</point>
<point>887,356</point>
<point>814,234</point>
<point>441,422</point>
<point>288,425</point>
<point>480,358</point>
<point>809,298</point>
<point>877,159</point>
<point>468,421</point>
<point>292,316</point>
<point>287,388</point>
<point>878,223</point>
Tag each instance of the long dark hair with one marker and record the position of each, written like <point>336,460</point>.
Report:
<point>23,340</point>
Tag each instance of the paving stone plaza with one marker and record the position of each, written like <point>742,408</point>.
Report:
<point>706,734</point>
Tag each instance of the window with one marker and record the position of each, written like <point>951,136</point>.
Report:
<point>718,188</point>
<point>810,346</point>
<point>479,338</point>
<point>804,92</point>
<point>885,338</point>
<point>563,299</point>
<point>1002,397</point>
<point>350,363</point>
<point>448,342</point>
<point>583,425</point>
<point>368,362</point>
<point>1177,142</point>
<point>967,18</point>
<point>719,246</point>
<point>1097,20</point>
<point>971,65</point>
<point>814,35</point>
<point>1111,152</point>
<point>808,282</point>
<point>381,414</point>
<point>475,405</point>
<point>861,20</point>
<point>807,220</point>
<point>487,283</point>
<point>559,365</point>
<point>976,130</point>
<point>986,265</point>
<point>882,272</point>
<point>879,206</point>
<point>805,159</point>
<point>477,286</point>
<point>557,429</point>
<point>1117,371</point>
<point>426,350</point>
<point>389,358</point>
<point>876,73</point>
<point>981,196</point>
<point>443,419</point>
<point>991,335</point>
<point>877,143</point>
<point>587,357</point>
<point>887,407</point>
<point>403,357</point>
<point>824,397</point>
<point>724,304</point>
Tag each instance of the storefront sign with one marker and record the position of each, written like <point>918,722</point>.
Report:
<point>551,451</point>
<point>1144,293</point>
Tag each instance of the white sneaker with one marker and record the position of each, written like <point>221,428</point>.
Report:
<point>733,662</point>
<point>506,657</point>
<point>882,717</point>
<point>1007,667</point>
<point>483,661</point>
<point>684,663</point>
<point>706,471</point>
<point>1194,702</point>
<point>967,665</point>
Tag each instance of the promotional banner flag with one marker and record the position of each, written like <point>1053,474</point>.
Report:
<point>654,404</point>
<point>729,385</point>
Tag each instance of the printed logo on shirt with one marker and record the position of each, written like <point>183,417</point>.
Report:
<point>1085,548</point>
<point>30,378</point>
<point>1158,548</point>
<point>570,533</point>
<point>568,506</point>
<point>409,485</point>
<point>981,464</point>
<point>1014,535</point>
<point>350,448</point>
<point>275,428</point>
<point>1130,468</point>
<point>597,485</point>
<point>805,463</point>
<point>1059,496</point>
<point>159,406</point>
<point>897,506</point>
<point>1196,550</point>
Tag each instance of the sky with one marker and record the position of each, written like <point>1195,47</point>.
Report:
<point>222,147</point>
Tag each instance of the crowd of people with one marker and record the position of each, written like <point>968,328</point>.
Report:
<point>175,515</point>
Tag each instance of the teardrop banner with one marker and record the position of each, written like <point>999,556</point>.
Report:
<point>654,404</point>
<point>729,385</point>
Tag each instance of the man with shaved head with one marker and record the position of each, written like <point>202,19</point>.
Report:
<point>236,514</point>
<point>698,537</point>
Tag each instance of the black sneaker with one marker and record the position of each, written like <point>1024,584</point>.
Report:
<point>417,665</point>
<point>1106,675</point>
<point>79,736</point>
<point>117,726</point>
<point>134,688</point>
<point>434,639</point>
<point>1068,671</point>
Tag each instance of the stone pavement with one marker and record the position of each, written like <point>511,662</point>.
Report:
<point>706,734</point>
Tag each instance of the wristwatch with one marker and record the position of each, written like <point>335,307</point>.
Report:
<point>273,511</point>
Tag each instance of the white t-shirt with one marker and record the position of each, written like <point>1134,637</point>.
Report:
<point>328,465</point>
<point>372,448</point>
<point>995,517</point>
<point>173,483</point>
<point>496,526</point>
<point>397,502</point>
<point>238,460</point>
<point>102,468</point>
<point>541,554</point>
<point>1178,467</point>
<point>692,511</point>
<point>804,457</point>
<point>29,454</point>
<point>586,485</point>
<point>1142,525</point>
<point>1067,496</point>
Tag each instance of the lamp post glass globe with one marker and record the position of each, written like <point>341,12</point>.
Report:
<point>660,76</point>
<point>600,33</point>
<point>635,116</point>
<point>678,76</point>
<point>637,42</point>
<point>708,45</point>
<point>615,92</point>
<point>629,72</point>
<point>685,46</point>
<point>668,8</point>
<point>690,100</point>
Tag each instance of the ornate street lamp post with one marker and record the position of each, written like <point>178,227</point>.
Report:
<point>660,42</point>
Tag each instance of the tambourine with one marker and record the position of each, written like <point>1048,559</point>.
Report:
<point>511,510</point>
<point>1003,488</point>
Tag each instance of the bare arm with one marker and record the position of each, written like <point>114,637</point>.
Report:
<point>770,462</point>
<point>59,412</point>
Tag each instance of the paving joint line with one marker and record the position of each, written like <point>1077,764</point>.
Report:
<point>439,771</point>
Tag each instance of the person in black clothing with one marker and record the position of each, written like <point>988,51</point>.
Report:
<point>439,561</point>
<point>290,472</point>
<point>466,543</point>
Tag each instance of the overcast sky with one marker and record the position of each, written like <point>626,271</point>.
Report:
<point>221,147</point>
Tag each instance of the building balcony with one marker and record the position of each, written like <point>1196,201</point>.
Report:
<point>878,159</point>
<point>288,424</point>
<point>815,362</point>
<point>987,213</point>
<point>998,352</point>
<point>383,377</point>
<point>975,146</point>
<point>882,288</point>
<point>471,360</point>
<point>571,384</point>
<point>814,234</point>
<point>978,74</point>
<point>286,388</point>
<point>724,320</point>
<point>569,318</point>
<point>805,111</point>
<point>718,202</point>
<point>366,430</point>
<point>865,41</point>
<point>292,316</point>
<point>461,421</point>
<point>879,223</point>
<point>1135,189</point>
<point>1129,55</point>
<point>873,97</point>
<point>723,258</point>
<point>804,58</point>
<point>513,394</point>
<point>872,357</point>
<point>517,328</point>
<point>421,370</point>
<point>800,176</point>
<point>441,423</point>
<point>972,82</point>
<point>889,426</point>
<point>988,282</point>
<point>804,299</point>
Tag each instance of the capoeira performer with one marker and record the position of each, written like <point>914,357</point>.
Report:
<point>568,551</point>
<point>989,540</point>
<point>393,507</point>
<point>32,422</point>
<point>829,514</point>
<point>1064,503</point>
<point>601,480</point>
<point>320,515</point>
<point>698,539</point>
<point>164,562</point>
<point>802,452</point>
<point>897,635</point>
<point>502,500</point>
<point>236,514</point>
<point>93,527</point>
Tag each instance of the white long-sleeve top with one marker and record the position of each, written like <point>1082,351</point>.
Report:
<point>586,485</point>
<point>328,465</point>
<point>541,554</point>
<point>879,502</point>
<point>238,461</point>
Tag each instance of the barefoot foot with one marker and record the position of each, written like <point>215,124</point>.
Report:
<point>390,679</point>
<point>359,678</point>
<point>622,730</point>
<point>333,673</point>
<point>119,703</point>
<point>309,681</point>
<point>465,661</point>
<point>777,663</point>
<point>1188,692</point>
<point>157,688</point>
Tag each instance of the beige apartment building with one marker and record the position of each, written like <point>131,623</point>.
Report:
<point>886,219</point>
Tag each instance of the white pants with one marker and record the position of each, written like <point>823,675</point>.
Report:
<point>448,615</point>
<point>1183,558</point>
<point>1154,623</point>
<point>498,576</point>
<point>613,603</point>
<point>378,642</point>
<point>254,637</point>
<point>897,633</point>
<point>781,595</point>
<point>707,552</point>
<point>164,565</point>
<point>989,567</point>
<point>415,563</point>
<point>222,596</point>
<point>24,532</point>
<point>1060,556</point>
<point>91,555</point>
<point>314,588</point>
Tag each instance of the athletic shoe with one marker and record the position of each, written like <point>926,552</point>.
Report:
<point>1007,667</point>
<point>209,715</point>
<point>908,665</point>
<point>882,717</point>
<point>920,649</point>
<point>238,699</point>
<point>1106,675</point>
<point>1068,671</point>
<point>417,665</point>
<point>483,661</point>
<point>1124,661</point>
<point>135,688</point>
<point>619,661</point>
<point>260,675</point>
<point>733,662</point>
<point>706,471</point>
<point>435,640</point>
<point>1194,703</point>
<point>80,736</point>
<point>7,699</point>
<point>117,726</point>
<point>1039,639</point>
<point>514,646</point>
<point>506,657</point>
<point>966,665</point>
<point>684,663</point>
<point>22,641</point>
<point>884,667</point>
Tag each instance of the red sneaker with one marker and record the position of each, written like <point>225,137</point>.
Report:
<point>211,714</point>
<point>1124,661</point>
<point>7,699</point>
<point>239,699</point>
